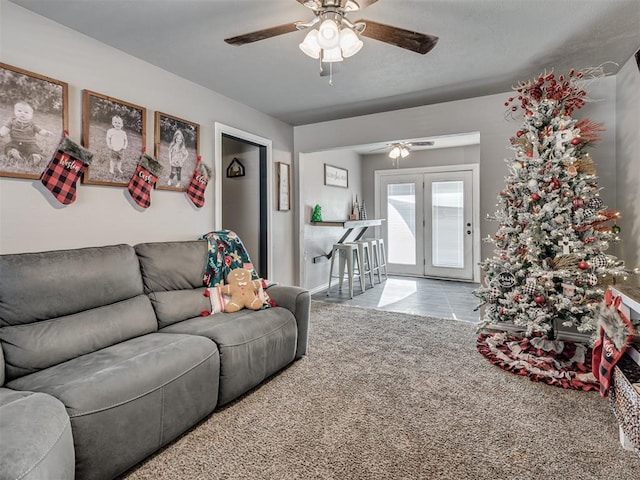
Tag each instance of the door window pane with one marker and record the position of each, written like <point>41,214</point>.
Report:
<point>401,221</point>
<point>447,200</point>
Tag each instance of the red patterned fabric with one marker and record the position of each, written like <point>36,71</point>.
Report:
<point>196,188</point>
<point>61,175</point>
<point>140,186</point>
<point>564,364</point>
<point>144,178</point>
<point>605,352</point>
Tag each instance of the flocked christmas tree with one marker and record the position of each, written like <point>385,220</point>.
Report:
<point>551,263</point>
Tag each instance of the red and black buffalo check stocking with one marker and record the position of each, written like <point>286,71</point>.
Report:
<point>143,180</point>
<point>64,169</point>
<point>198,184</point>
<point>614,337</point>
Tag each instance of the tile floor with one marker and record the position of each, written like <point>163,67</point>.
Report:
<point>417,296</point>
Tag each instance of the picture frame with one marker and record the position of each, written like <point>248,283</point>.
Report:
<point>235,169</point>
<point>179,159</point>
<point>115,132</point>
<point>336,176</point>
<point>284,189</point>
<point>45,101</point>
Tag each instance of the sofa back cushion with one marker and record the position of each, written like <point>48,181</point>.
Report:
<point>173,276</point>
<point>58,305</point>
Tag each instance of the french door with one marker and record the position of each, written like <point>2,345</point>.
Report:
<point>429,223</point>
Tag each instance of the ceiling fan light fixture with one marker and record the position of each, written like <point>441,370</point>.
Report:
<point>328,34</point>
<point>404,151</point>
<point>349,42</point>
<point>310,45</point>
<point>395,152</point>
<point>331,55</point>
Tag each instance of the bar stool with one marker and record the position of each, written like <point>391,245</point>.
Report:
<point>374,258</point>
<point>381,257</point>
<point>364,261</point>
<point>348,254</point>
<point>366,249</point>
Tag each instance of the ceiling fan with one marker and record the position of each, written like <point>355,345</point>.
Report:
<point>337,37</point>
<point>398,150</point>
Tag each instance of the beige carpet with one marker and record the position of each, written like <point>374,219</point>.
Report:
<point>393,396</point>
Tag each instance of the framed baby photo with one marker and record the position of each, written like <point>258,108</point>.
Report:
<point>34,113</point>
<point>115,132</point>
<point>177,146</point>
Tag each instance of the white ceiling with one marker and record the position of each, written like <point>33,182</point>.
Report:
<point>485,47</point>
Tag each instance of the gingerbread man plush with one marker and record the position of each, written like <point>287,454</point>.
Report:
<point>242,290</point>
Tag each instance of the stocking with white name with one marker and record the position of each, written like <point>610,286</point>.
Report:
<point>64,169</point>
<point>144,178</point>
<point>198,184</point>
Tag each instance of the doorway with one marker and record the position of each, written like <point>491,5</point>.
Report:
<point>243,192</point>
<point>431,216</point>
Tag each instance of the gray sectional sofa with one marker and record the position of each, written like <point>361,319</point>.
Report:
<point>105,356</point>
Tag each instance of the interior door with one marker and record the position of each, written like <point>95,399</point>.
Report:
<point>428,228</point>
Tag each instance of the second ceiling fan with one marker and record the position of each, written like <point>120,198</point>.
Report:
<point>337,37</point>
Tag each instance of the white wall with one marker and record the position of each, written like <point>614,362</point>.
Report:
<point>483,114</point>
<point>335,202</point>
<point>103,215</point>
<point>628,164</point>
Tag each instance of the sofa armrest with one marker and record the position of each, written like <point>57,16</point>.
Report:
<point>36,440</point>
<point>298,301</point>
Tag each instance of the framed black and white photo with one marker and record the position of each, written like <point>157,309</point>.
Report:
<point>284,190</point>
<point>177,146</point>
<point>336,176</point>
<point>33,116</point>
<point>115,132</point>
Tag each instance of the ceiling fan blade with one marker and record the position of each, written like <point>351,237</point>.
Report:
<point>414,41</point>
<point>427,143</point>
<point>262,34</point>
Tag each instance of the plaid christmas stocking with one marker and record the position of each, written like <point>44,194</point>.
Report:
<point>198,184</point>
<point>64,169</point>
<point>615,334</point>
<point>143,180</point>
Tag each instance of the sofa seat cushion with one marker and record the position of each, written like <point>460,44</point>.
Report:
<point>36,439</point>
<point>253,345</point>
<point>127,400</point>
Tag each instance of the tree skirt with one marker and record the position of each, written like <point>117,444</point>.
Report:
<point>565,364</point>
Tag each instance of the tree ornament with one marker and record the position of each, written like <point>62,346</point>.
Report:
<point>589,212</point>
<point>592,279</point>
<point>582,265</point>
<point>578,203</point>
<point>576,141</point>
<point>317,214</point>
<point>616,229</point>
<point>532,184</point>
<point>600,261</point>
<point>530,288</point>
<point>506,279</point>
<point>595,203</point>
<point>539,299</point>
<point>519,133</point>
<point>571,171</point>
<point>535,197</point>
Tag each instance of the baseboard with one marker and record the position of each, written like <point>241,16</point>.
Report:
<point>318,289</point>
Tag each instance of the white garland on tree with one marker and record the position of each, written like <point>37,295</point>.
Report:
<point>550,262</point>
